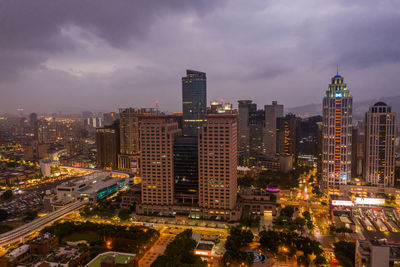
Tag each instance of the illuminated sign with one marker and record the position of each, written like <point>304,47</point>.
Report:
<point>370,201</point>
<point>204,253</point>
<point>338,95</point>
<point>342,203</point>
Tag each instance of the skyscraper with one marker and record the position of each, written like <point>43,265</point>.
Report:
<point>194,101</point>
<point>246,107</point>
<point>129,138</point>
<point>337,134</point>
<point>107,143</point>
<point>157,135</point>
<point>33,121</point>
<point>272,112</point>
<point>287,135</point>
<point>218,167</point>
<point>380,123</point>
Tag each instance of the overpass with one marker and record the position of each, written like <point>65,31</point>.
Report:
<point>19,233</point>
<point>302,203</point>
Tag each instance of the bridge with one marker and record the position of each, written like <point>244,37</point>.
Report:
<point>19,233</point>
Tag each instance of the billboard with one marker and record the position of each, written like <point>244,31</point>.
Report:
<point>342,203</point>
<point>370,201</point>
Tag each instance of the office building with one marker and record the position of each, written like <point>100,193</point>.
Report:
<point>186,171</point>
<point>272,112</point>
<point>218,167</point>
<point>245,107</point>
<point>336,130</point>
<point>128,159</point>
<point>33,122</point>
<point>287,135</point>
<point>376,253</point>
<point>157,135</point>
<point>194,101</point>
<point>380,123</point>
<point>108,146</point>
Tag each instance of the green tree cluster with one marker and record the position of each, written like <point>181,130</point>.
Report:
<point>3,215</point>
<point>237,239</point>
<point>285,220</point>
<point>138,237</point>
<point>180,252</point>
<point>103,209</point>
<point>292,242</point>
<point>250,221</point>
<point>7,195</point>
<point>345,253</point>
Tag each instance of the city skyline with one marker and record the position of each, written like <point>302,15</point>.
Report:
<point>69,60</point>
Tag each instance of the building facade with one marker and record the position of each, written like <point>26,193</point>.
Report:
<point>107,143</point>
<point>272,112</point>
<point>218,167</point>
<point>186,171</point>
<point>157,135</point>
<point>194,101</point>
<point>336,134</point>
<point>380,126</point>
<point>128,158</point>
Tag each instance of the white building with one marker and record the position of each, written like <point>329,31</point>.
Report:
<point>380,126</point>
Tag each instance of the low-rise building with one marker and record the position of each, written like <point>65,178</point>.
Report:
<point>376,253</point>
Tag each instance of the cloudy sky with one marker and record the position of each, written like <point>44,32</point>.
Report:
<point>74,55</point>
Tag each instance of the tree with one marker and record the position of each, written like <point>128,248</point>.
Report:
<point>3,215</point>
<point>7,195</point>
<point>287,211</point>
<point>345,253</point>
<point>270,240</point>
<point>250,221</point>
<point>31,215</point>
<point>319,260</point>
<point>124,214</point>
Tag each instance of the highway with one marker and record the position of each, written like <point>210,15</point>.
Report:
<point>22,231</point>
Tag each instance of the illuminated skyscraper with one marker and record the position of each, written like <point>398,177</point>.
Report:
<point>194,101</point>
<point>336,134</point>
<point>380,123</point>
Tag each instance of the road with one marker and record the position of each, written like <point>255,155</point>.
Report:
<point>21,232</point>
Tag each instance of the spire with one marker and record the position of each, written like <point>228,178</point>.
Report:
<point>337,69</point>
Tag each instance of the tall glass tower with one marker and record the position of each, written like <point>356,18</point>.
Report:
<point>336,134</point>
<point>194,101</point>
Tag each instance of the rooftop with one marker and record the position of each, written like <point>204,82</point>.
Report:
<point>119,257</point>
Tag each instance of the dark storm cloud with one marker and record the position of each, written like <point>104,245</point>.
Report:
<point>102,54</point>
<point>28,27</point>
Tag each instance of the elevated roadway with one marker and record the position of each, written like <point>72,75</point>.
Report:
<point>19,233</point>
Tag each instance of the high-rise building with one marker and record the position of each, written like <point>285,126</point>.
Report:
<point>194,101</point>
<point>33,121</point>
<point>380,123</point>
<point>157,135</point>
<point>107,143</point>
<point>128,159</point>
<point>287,135</point>
<point>218,167</point>
<point>246,108</point>
<point>186,171</point>
<point>272,112</point>
<point>336,130</point>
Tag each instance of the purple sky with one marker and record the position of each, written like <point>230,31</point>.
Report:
<point>74,55</point>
